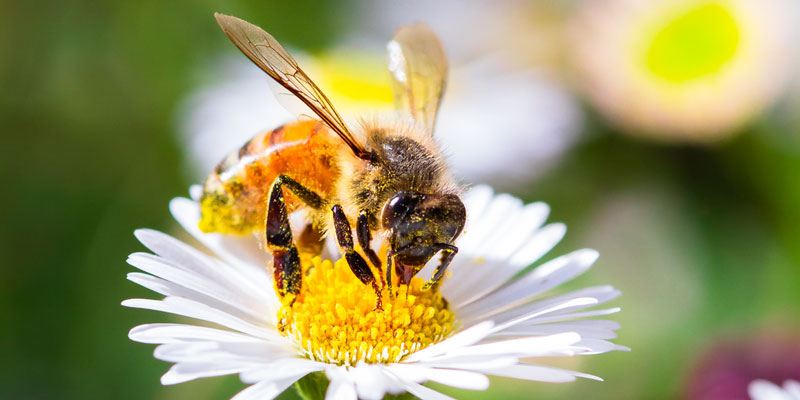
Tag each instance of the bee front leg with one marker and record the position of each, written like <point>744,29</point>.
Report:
<point>448,252</point>
<point>286,259</point>
<point>344,235</point>
<point>364,237</point>
<point>389,265</point>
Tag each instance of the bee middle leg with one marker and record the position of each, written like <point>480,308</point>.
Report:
<point>286,258</point>
<point>359,266</point>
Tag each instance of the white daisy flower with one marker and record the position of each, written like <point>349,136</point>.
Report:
<point>685,70</point>
<point>766,390</point>
<point>487,318</point>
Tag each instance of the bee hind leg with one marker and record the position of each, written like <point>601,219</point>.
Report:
<point>286,258</point>
<point>359,266</point>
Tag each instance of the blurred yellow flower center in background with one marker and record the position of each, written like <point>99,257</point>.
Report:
<point>355,79</point>
<point>334,318</point>
<point>694,44</point>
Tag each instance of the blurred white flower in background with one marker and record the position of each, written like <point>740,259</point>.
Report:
<point>217,119</point>
<point>527,33</point>
<point>498,122</point>
<point>504,126</point>
<point>766,390</point>
<point>686,70</point>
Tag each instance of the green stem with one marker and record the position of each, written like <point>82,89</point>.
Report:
<point>401,396</point>
<point>314,385</point>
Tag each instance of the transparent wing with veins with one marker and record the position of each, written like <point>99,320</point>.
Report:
<point>418,69</point>
<point>263,50</point>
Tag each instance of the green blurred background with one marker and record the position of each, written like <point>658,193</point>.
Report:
<point>702,238</point>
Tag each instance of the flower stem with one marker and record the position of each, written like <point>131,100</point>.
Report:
<point>401,396</point>
<point>312,386</point>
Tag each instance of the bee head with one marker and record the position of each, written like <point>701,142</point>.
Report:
<point>419,223</point>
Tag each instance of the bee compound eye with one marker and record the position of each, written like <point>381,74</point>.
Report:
<point>400,205</point>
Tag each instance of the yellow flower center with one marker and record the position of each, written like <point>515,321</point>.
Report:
<point>334,319</point>
<point>693,44</point>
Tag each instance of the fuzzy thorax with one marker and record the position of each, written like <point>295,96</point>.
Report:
<point>406,157</point>
<point>334,319</point>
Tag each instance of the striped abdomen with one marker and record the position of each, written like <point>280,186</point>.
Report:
<point>235,195</point>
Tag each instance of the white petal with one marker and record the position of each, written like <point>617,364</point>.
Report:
<point>515,231</point>
<point>485,274</point>
<point>527,347</point>
<point>540,373</point>
<point>169,248</point>
<point>528,313</point>
<point>464,338</point>
<point>185,372</point>
<point>416,389</point>
<point>373,381</point>
<point>471,362</point>
<point>423,392</point>
<point>450,377</point>
<point>202,273</point>
<point>539,244</point>
<point>500,207</point>
<point>193,309</point>
<point>598,346</point>
<point>341,389</point>
<point>550,329</point>
<point>260,352</point>
<point>266,390</point>
<point>583,324</point>
<point>280,369</point>
<point>550,274</point>
<point>231,306</point>
<point>247,279</point>
<point>476,199</point>
<point>243,252</point>
<point>588,329</point>
<point>536,309</point>
<point>583,314</point>
<point>195,192</point>
<point>341,385</point>
<point>171,333</point>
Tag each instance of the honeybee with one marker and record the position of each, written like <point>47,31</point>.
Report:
<point>386,177</point>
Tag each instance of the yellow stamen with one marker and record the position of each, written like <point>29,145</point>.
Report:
<point>334,318</point>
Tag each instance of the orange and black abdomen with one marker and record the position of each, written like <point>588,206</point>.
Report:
<point>235,195</point>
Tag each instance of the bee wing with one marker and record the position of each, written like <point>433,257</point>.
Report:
<point>418,68</point>
<point>263,50</point>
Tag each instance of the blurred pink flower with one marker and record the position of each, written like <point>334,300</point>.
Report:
<point>725,369</point>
